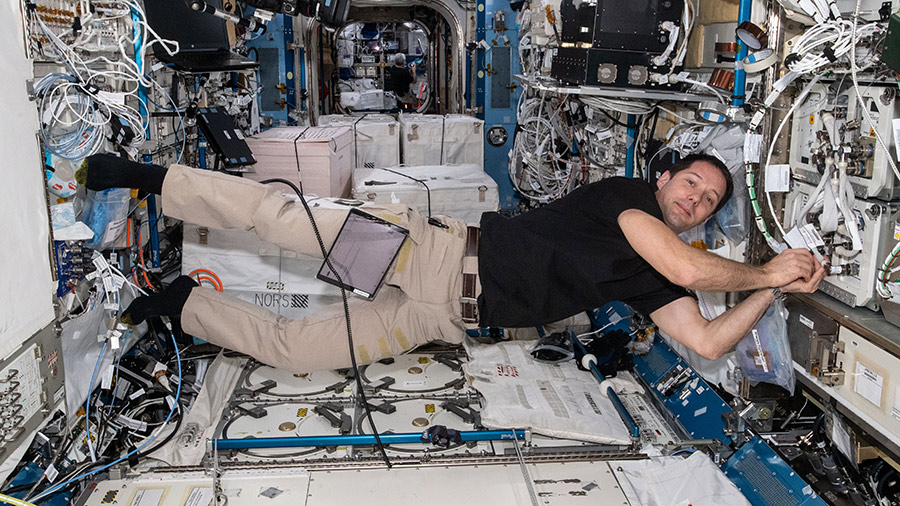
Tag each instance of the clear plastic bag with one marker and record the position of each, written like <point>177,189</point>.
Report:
<point>106,213</point>
<point>765,353</point>
<point>733,218</point>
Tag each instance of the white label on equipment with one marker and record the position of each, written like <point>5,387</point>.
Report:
<point>122,386</point>
<point>841,437</point>
<point>106,380</point>
<point>200,496</point>
<point>778,178</point>
<point>807,322</point>
<point>415,384</point>
<point>811,236</point>
<point>869,384</point>
<point>602,135</point>
<point>700,411</point>
<point>113,230</point>
<point>51,473</point>
<point>752,143</point>
<point>136,394</point>
<point>100,263</point>
<point>760,358</point>
<point>897,231</point>
<point>148,497</point>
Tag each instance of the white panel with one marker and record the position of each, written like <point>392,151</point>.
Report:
<point>559,484</point>
<point>272,487</point>
<point>26,286</point>
<point>872,385</point>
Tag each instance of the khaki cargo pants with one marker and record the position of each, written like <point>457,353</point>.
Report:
<point>419,301</point>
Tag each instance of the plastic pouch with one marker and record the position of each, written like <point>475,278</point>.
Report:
<point>106,213</point>
<point>734,216</point>
<point>553,348</point>
<point>765,353</point>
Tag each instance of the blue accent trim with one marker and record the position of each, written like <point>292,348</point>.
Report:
<point>302,76</point>
<point>740,76</point>
<point>765,478</point>
<point>357,440</point>
<point>629,151</point>
<point>468,93</point>
<point>289,77</point>
<point>152,217</point>
<point>700,411</point>
<point>480,69</point>
<point>617,403</point>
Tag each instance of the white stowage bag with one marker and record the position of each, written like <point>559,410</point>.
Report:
<point>188,447</point>
<point>556,400</point>
<point>676,481</point>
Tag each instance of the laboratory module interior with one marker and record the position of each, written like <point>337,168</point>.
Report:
<point>441,108</point>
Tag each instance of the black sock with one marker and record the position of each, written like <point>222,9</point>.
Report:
<point>169,302</point>
<point>105,171</point>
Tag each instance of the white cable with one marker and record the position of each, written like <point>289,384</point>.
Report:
<point>880,285</point>
<point>784,120</point>
<point>695,82</point>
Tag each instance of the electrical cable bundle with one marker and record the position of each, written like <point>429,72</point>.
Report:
<point>829,45</point>
<point>75,113</point>
<point>540,165</point>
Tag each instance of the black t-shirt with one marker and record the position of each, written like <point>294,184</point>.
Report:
<point>398,80</point>
<point>567,257</point>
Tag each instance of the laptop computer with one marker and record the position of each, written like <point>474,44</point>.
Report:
<point>202,37</point>
<point>362,253</point>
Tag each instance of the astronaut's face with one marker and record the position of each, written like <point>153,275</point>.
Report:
<point>690,196</point>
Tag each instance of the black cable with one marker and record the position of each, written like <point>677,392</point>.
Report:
<point>431,221</point>
<point>614,120</point>
<point>359,384</point>
<point>180,417</point>
<point>297,158</point>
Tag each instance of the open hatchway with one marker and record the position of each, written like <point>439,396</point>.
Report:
<point>347,66</point>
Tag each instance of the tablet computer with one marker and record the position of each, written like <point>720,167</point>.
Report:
<point>362,253</point>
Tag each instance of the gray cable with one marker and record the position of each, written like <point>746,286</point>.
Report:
<point>528,483</point>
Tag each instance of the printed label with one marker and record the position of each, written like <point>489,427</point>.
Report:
<point>200,496</point>
<point>752,146</point>
<point>807,322</point>
<point>778,178</point>
<point>760,358</point>
<point>869,384</point>
<point>148,497</point>
<point>106,381</point>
